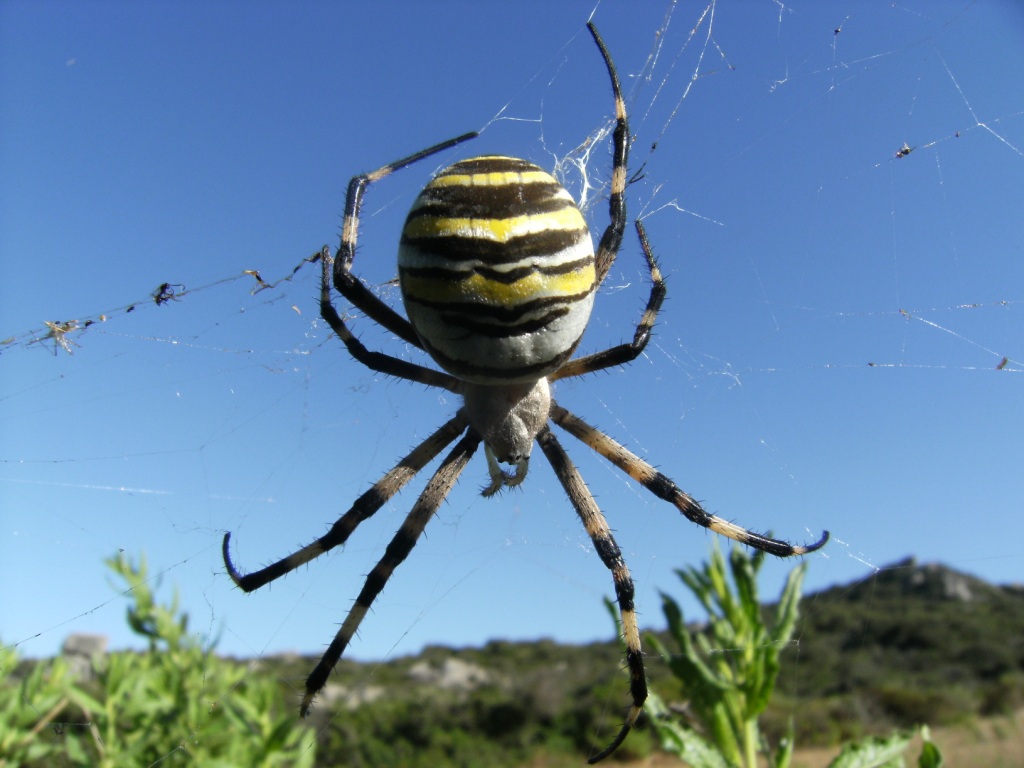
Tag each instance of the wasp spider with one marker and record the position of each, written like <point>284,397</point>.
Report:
<point>498,275</point>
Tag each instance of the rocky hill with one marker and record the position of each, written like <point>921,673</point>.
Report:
<point>913,643</point>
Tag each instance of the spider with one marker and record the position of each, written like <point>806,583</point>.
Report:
<point>498,275</point>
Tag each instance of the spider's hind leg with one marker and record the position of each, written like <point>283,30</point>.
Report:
<point>438,487</point>
<point>597,527</point>
<point>376,361</point>
<point>364,507</point>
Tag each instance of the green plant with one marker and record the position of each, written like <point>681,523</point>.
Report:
<point>30,707</point>
<point>728,670</point>
<point>175,704</point>
<point>887,752</point>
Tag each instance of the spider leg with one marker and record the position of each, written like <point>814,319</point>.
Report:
<point>438,487</point>
<point>597,527</point>
<point>377,361</point>
<point>624,353</point>
<point>350,286</point>
<point>364,507</point>
<point>611,240</point>
<point>662,487</point>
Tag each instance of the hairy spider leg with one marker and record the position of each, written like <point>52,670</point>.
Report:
<point>363,508</point>
<point>662,487</point>
<point>597,528</point>
<point>437,488</point>
<point>624,353</point>
<point>611,240</point>
<point>352,287</point>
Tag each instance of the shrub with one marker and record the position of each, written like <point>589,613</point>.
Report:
<point>176,704</point>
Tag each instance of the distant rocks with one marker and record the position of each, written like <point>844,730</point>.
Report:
<point>453,675</point>
<point>81,652</point>
<point>931,581</point>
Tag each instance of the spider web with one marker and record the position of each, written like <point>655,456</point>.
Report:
<point>834,198</point>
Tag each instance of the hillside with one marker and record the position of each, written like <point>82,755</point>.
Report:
<point>924,627</point>
<point>911,644</point>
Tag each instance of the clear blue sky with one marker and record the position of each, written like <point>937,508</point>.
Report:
<point>827,357</point>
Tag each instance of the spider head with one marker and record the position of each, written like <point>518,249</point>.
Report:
<point>508,417</point>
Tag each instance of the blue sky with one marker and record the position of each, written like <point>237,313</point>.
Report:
<point>831,354</point>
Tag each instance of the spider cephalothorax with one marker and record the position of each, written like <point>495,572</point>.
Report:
<point>498,274</point>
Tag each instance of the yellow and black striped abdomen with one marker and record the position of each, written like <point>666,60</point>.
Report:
<point>497,272</point>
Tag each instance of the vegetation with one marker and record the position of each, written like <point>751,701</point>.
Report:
<point>178,704</point>
<point>912,644</point>
<point>728,671</point>
<point>502,705</point>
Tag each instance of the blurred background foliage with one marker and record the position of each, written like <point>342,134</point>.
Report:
<point>860,665</point>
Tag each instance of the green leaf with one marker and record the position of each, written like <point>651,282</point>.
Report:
<point>873,752</point>
<point>784,754</point>
<point>682,741</point>
<point>930,756</point>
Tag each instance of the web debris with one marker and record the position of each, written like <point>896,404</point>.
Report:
<point>60,332</point>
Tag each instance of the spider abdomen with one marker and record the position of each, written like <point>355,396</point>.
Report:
<point>496,266</point>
